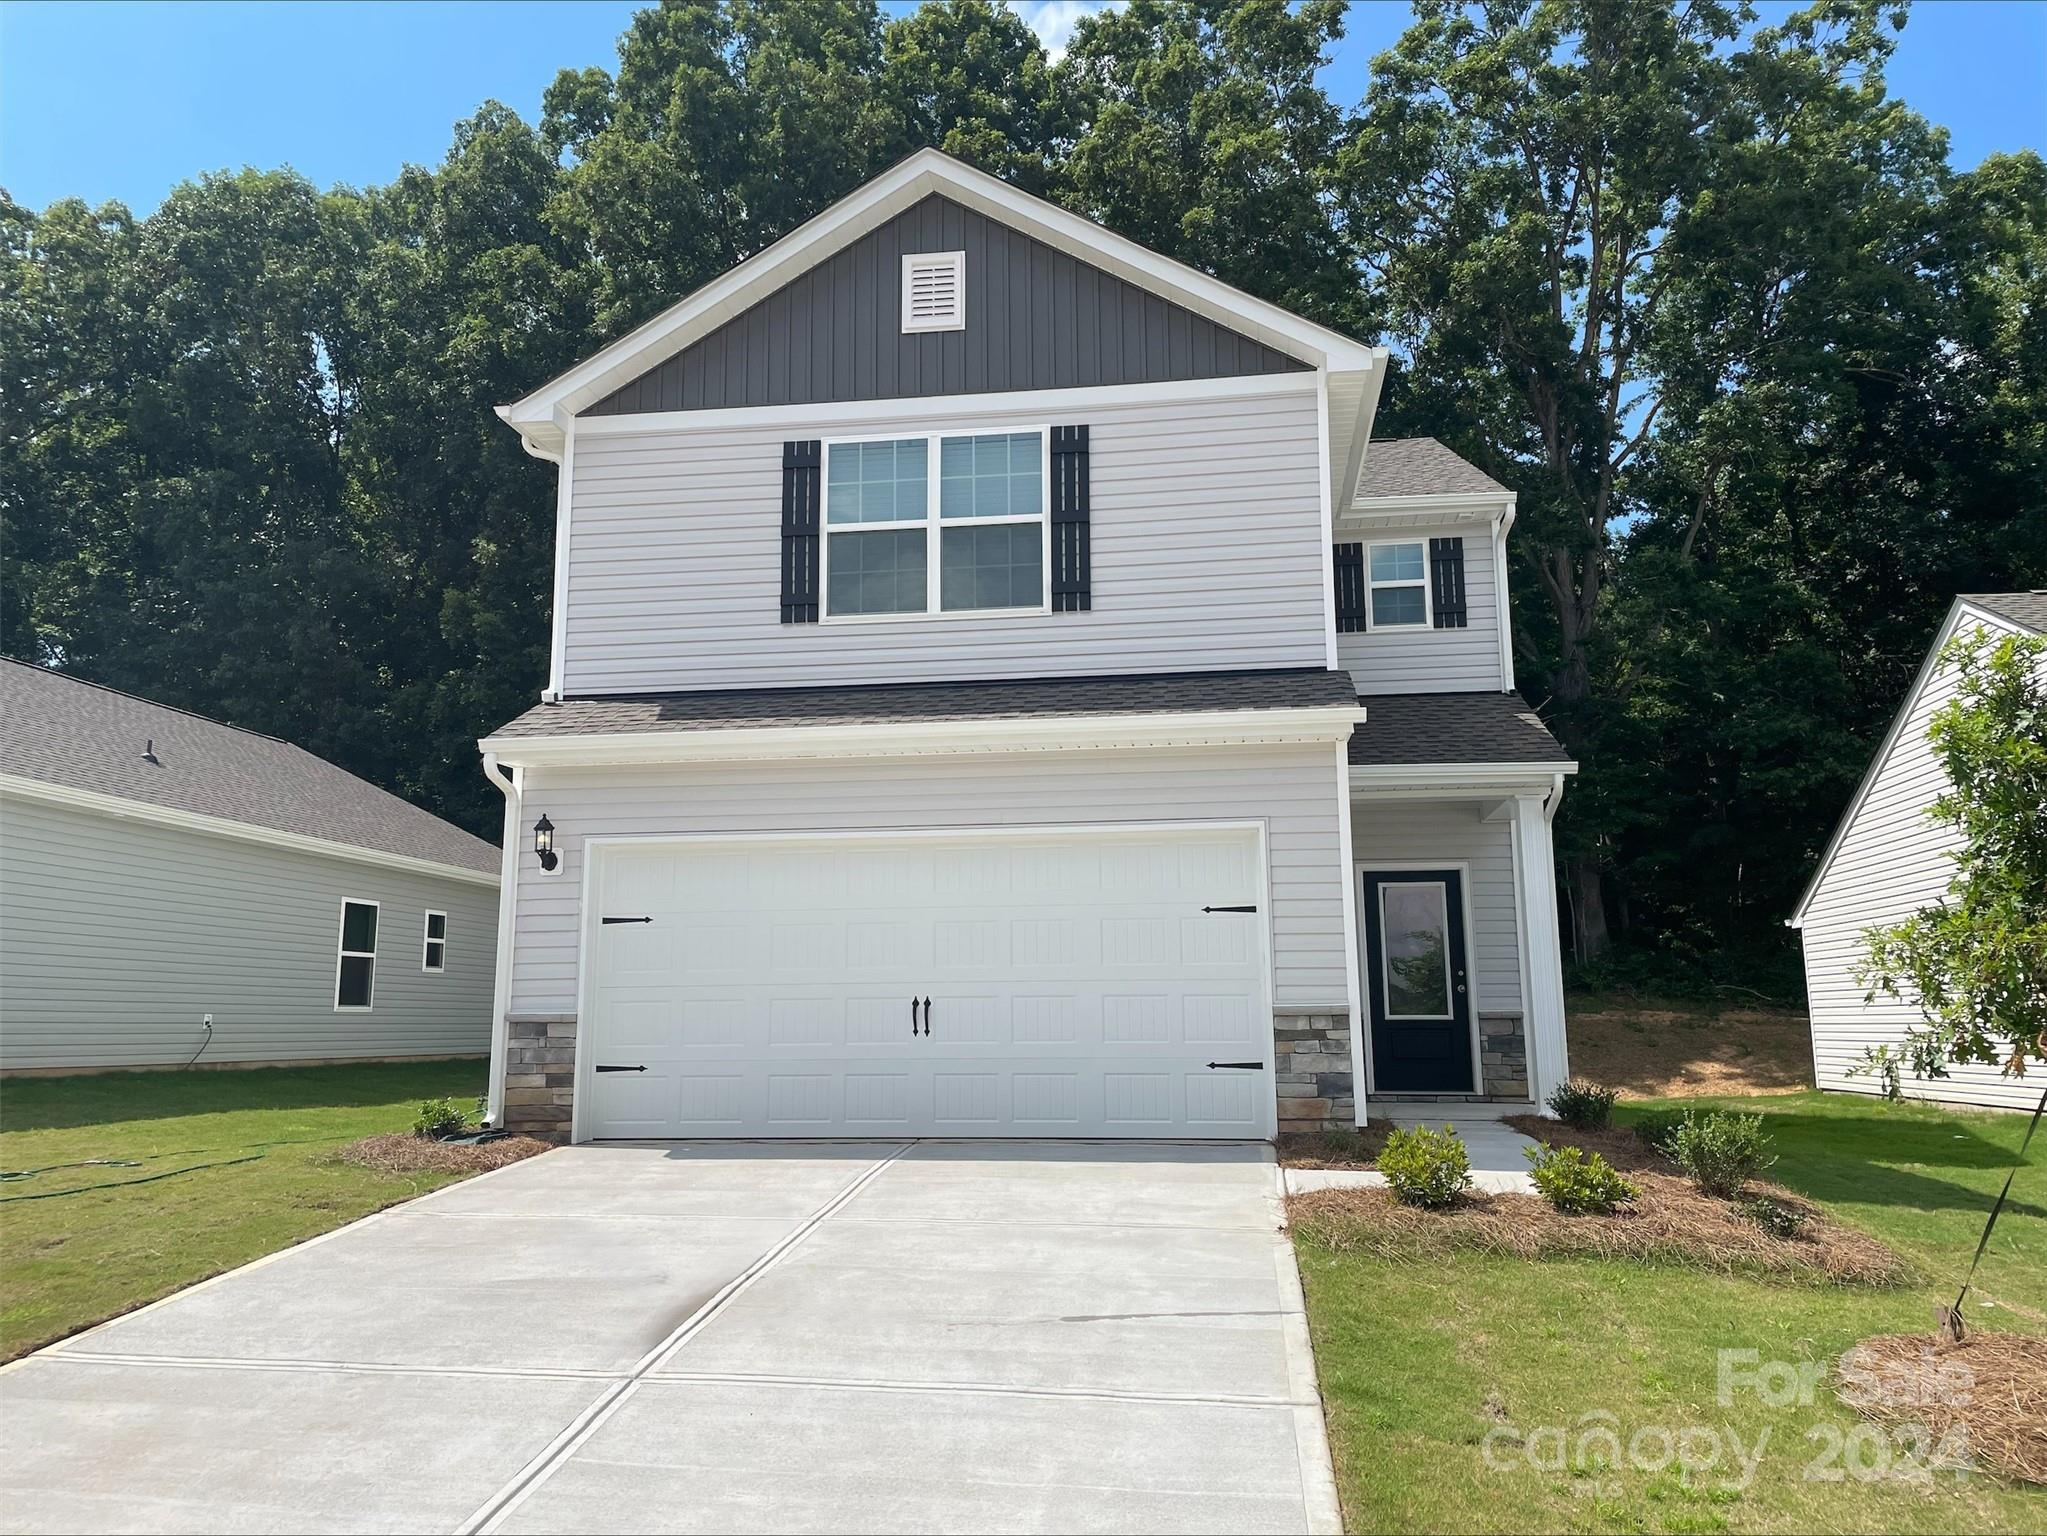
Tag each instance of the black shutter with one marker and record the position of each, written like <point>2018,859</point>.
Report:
<point>1072,556</point>
<point>1350,588</point>
<point>1446,581</point>
<point>801,485</point>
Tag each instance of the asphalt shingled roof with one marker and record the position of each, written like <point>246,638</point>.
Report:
<point>2025,608</point>
<point>1420,466</point>
<point>1414,729</point>
<point>63,730</point>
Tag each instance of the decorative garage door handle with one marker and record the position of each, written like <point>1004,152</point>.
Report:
<point>1229,909</point>
<point>913,1016</point>
<point>1241,1066</point>
<point>927,1015</point>
<point>627,919</point>
<point>603,1068</point>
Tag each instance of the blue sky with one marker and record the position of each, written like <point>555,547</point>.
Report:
<point>123,101</point>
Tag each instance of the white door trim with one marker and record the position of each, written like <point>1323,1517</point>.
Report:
<point>594,849</point>
<point>1363,867</point>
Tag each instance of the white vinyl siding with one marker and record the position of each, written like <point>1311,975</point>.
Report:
<point>1388,833</point>
<point>1292,790</point>
<point>117,937</point>
<point>1891,861</point>
<point>1207,554</point>
<point>1427,660</point>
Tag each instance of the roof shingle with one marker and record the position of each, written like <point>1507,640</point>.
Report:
<point>2028,609</point>
<point>1420,466</point>
<point>1434,728</point>
<point>63,730</point>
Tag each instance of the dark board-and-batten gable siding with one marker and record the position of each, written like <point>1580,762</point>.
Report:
<point>1037,318</point>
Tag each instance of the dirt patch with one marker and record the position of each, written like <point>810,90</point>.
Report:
<point>1333,1149</point>
<point>403,1153</point>
<point>1664,1053</point>
<point>1986,1396</point>
<point>1670,1221</point>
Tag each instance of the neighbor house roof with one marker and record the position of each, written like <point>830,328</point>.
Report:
<point>1420,466</point>
<point>932,703</point>
<point>1417,729</point>
<point>70,734</point>
<point>2028,610</point>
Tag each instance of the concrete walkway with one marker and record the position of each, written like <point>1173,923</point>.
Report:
<point>736,1337</point>
<point>1499,1164</point>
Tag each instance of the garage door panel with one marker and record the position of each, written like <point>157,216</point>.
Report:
<point>1075,987</point>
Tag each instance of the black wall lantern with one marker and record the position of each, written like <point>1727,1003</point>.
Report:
<point>543,842</point>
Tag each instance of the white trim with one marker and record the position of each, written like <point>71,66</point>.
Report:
<point>1960,610</point>
<point>1327,494</point>
<point>1485,504</point>
<point>508,903</point>
<point>1215,728</point>
<point>558,620</point>
<point>926,171</point>
<point>427,941</point>
<point>1466,776</point>
<point>1040,403</point>
<point>1363,867</point>
<point>220,826</point>
<point>595,847</point>
<point>1542,1013</point>
<point>1372,626</point>
<point>934,261</point>
<point>1352,981</point>
<point>934,525</point>
<point>343,952</point>
<point>1503,604</point>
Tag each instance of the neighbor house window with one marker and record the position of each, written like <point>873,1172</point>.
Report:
<point>434,956</point>
<point>938,524</point>
<point>1398,575</point>
<point>355,977</point>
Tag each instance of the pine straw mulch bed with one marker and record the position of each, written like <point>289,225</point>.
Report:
<point>1333,1149</point>
<point>1670,1222</point>
<point>1989,1392</point>
<point>405,1153</point>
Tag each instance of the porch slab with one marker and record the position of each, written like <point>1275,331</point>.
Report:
<point>1499,1164</point>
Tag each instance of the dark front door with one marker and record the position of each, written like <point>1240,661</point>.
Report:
<point>1419,981</point>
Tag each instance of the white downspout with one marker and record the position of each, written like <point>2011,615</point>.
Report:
<point>508,784</point>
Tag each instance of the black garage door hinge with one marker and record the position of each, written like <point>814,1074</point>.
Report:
<point>1229,909</point>
<point>1241,1066</point>
<point>625,919</point>
<point>602,1068</point>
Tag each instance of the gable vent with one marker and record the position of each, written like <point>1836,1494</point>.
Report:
<point>935,291</point>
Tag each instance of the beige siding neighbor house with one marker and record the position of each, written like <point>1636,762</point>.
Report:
<point>176,890</point>
<point>1886,861</point>
<point>999,687</point>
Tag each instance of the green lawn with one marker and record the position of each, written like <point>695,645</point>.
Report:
<point>1419,1362</point>
<point>69,1261</point>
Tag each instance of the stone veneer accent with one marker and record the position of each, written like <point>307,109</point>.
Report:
<point>1311,1071</point>
<point>540,1074</point>
<point>1502,1056</point>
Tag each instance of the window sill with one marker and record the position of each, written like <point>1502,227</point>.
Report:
<point>852,620</point>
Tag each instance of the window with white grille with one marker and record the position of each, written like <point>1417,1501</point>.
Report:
<point>935,291</point>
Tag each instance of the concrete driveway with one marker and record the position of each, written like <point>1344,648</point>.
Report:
<point>841,1336</point>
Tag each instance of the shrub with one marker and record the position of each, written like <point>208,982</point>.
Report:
<point>1577,1182</point>
<point>1424,1167</point>
<point>1774,1216</point>
<point>1582,1106</point>
<point>1657,1129</point>
<point>438,1118</point>
<point>1720,1151</point>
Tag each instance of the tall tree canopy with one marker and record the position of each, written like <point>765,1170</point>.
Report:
<point>1769,377</point>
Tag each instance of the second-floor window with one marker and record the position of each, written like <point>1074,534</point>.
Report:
<point>1398,578</point>
<point>940,524</point>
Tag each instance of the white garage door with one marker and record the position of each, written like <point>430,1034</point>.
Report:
<point>980,984</point>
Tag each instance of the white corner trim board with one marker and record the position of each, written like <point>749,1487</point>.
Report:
<point>220,826</point>
<point>1251,727</point>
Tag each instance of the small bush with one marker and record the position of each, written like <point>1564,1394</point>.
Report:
<point>1424,1167</point>
<point>1720,1151</point>
<point>438,1118</point>
<point>1774,1216</point>
<point>1657,1129</point>
<point>1577,1182</point>
<point>1583,1106</point>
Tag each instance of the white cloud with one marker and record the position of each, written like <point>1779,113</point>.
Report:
<point>1054,20</point>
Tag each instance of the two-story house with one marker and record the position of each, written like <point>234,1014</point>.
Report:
<point>1000,689</point>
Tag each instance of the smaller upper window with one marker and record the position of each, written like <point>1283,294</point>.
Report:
<point>935,291</point>
<point>434,956</point>
<point>1398,575</point>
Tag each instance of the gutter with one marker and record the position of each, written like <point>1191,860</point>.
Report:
<point>506,781</point>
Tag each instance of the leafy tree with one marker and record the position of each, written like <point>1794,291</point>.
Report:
<point>968,77</point>
<point>1977,962</point>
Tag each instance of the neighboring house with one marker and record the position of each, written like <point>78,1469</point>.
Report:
<point>160,872</point>
<point>961,620</point>
<point>1886,861</point>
